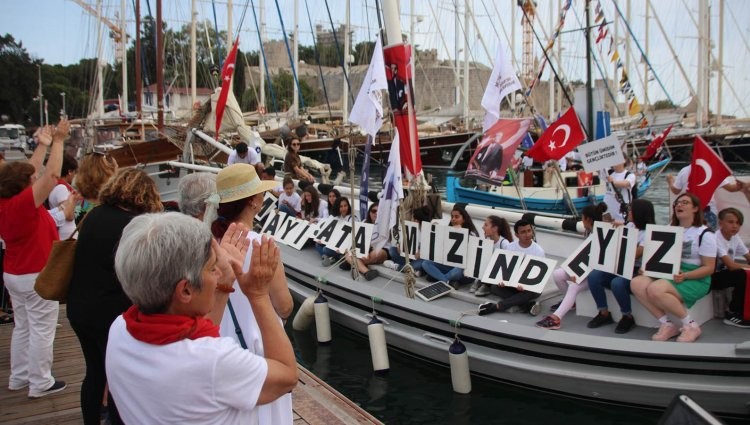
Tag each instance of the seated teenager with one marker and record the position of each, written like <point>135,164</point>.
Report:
<point>496,229</point>
<point>313,209</point>
<point>448,274</point>
<point>512,297</point>
<point>731,274</point>
<point>421,214</point>
<point>165,360</point>
<point>344,213</point>
<point>675,296</point>
<point>375,256</point>
<point>567,284</point>
<point>640,213</point>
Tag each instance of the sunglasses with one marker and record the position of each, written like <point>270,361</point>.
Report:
<point>295,144</point>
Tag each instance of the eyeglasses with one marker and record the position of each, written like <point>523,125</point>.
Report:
<point>295,144</point>
<point>683,202</point>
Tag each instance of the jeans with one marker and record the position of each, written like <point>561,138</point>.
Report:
<point>441,271</point>
<point>328,252</point>
<point>397,258</point>
<point>598,280</point>
<point>33,334</point>
<point>288,210</point>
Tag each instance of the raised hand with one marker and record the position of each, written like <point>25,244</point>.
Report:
<point>44,135</point>
<point>235,242</point>
<point>263,263</point>
<point>62,130</point>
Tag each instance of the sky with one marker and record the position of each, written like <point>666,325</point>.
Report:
<point>61,32</point>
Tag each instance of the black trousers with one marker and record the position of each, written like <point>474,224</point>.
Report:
<point>94,345</point>
<point>732,279</point>
<point>512,296</point>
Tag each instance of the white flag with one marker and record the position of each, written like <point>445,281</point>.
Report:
<point>367,111</point>
<point>393,192</point>
<point>503,81</point>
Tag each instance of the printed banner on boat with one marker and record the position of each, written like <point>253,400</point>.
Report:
<point>398,71</point>
<point>600,154</point>
<point>496,152</point>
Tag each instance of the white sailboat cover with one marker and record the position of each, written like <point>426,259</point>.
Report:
<point>390,198</point>
<point>503,81</point>
<point>367,111</point>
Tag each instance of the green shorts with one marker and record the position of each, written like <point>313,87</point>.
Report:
<point>691,290</point>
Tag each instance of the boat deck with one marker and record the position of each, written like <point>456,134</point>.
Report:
<point>315,402</point>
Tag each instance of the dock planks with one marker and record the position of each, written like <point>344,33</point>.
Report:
<point>315,402</point>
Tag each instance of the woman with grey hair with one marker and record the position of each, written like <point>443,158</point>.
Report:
<point>165,358</point>
<point>195,192</point>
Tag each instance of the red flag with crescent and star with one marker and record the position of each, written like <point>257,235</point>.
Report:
<point>707,171</point>
<point>656,144</point>
<point>226,79</point>
<point>561,137</point>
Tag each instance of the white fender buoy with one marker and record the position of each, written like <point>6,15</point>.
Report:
<point>305,315</point>
<point>322,319</point>
<point>378,346</point>
<point>459,360</point>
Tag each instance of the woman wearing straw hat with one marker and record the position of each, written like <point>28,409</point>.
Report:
<point>240,197</point>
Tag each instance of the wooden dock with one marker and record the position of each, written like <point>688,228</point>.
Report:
<point>315,402</point>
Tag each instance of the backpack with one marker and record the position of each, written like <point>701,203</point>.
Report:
<point>633,190</point>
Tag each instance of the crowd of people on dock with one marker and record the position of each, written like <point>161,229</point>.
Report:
<point>180,315</point>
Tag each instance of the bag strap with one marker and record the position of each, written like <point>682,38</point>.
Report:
<point>237,328</point>
<point>80,223</point>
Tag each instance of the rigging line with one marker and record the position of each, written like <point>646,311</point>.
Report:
<point>338,52</point>
<point>218,39</point>
<point>252,81</point>
<point>291,59</point>
<point>265,62</point>
<point>442,38</point>
<point>736,24</point>
<point>471,52</point>
<point>381,28</point>
<point>599,67</point>
<point>242,19</point>
<point>547,58</point>
<point>317,60</point>
<point>645,58</point>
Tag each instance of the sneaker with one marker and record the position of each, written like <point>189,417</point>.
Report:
<point>345,265</point>
<point>487,308</point>
<point>455,284</point>
<point>419,273</point>
<point>371,274</point>
<point>600,320</point>
<point>483,290</point>
<point>55,388</point>
<point>474,286</point>
<point>689,334</point>
<point>390,264</point>
<point>666,331</point>
<point>550,322</point>
<point>328,261</point>
<point>732,319</point>
<point>625,324</point>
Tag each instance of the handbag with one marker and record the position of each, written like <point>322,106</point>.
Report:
<point>53,281</point>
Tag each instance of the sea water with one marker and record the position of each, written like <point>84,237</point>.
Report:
<point>417,391</point>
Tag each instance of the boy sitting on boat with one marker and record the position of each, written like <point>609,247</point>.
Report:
<point>731,274</point>
<point>517,296</point>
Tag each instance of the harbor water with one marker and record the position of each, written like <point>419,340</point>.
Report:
<point>417,391</point>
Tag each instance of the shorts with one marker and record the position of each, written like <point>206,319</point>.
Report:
<point>691,290</point>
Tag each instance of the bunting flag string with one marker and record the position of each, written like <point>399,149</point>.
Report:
<point>549,46</point>
<point>634,107</point>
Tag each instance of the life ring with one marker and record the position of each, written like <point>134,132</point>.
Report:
<point>262,110</point>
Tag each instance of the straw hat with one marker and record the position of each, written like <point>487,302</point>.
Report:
<point>240,181</point>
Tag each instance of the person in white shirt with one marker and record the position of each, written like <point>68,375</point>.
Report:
<point>166,362</point>
<point>730,273</point>
<point>245,155</point>
<point>675,296</point>
<point>289,200</point>
<point>618,197</point>
<point>512,297</point>
<point>313,209</point>
<point>496,229</point>
<point>679,185</point>
<point>61,193</point>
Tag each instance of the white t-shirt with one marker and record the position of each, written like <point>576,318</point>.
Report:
<point>501,243</point>
<point>691,252</point>
<point>252,157</point>
<point>278,411</point>
<point>613,205</point>
<point>534,249</point>
<point>295,201</point>
<point>202,381</point>
<point>681,183</point>
<point>733,247</point>
<point>59,195</point>
<point>322,212</point>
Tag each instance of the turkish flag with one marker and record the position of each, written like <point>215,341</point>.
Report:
<point>656,144</point>
<point>707,171</point>
<point>226,79</point>
<point>561,137</point>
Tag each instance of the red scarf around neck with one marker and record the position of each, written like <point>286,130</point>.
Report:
<point>162,329</point>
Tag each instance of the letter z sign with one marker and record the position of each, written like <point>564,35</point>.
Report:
<point>662,251</point>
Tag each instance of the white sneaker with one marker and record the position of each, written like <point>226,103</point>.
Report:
<point>474,286</point>
<point>390,264</point>
<point>483,290</point>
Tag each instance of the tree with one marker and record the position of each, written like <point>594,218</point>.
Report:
<point>283,86</point>
<point>18,81</point>
<point>664,104</point>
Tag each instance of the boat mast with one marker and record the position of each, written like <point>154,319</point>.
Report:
<point>261,56</point>
<point>411,41</point>
<point>138,81</point>
<point>645,63</point>
<point>193,54</point>
<point>345,96</point>
<point>99,65</point>
<point>457,95</point>
<point>295,87</point>
<point>466,67</point>
<point>124,53</point>
<point>229,26</point>
<point>589,88</point>
<point>703,16</point>
<point>551,75</point>
<point>159,69</point>
<point>720,63</point>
